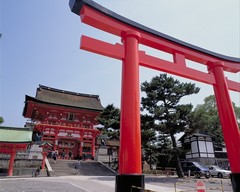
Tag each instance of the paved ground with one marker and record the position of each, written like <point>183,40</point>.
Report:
<point>99,184</point>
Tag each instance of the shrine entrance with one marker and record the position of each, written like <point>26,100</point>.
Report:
<point>65,120</point>
<point>74,149</point>
<point>133,34</point>
<point>69,147</point>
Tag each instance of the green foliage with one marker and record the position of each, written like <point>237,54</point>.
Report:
<point>205,119</point>
<point>1,120</point>
<point>155,147</point>
<point>112,134</point>
<point>237,113</point>
<point>161,103</point>
<point>148,131</point>
<point>110,117</point>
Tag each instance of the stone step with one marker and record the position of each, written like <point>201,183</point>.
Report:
<point>67,167</point>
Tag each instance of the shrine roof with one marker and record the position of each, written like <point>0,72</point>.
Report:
<point>59,97</point>
<point>193,135</point>
<point>15,135</point>
<point>110,143</point>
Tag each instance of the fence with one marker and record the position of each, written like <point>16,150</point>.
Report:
<point>168,171</point>
<point>189,185</point>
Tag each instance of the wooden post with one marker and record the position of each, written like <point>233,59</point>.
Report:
<point>228,121</point>
<point>93,145</point>
<point>130,161</point>
<point>11,162</point>
<point>81,144</point>
<point>44,154</point>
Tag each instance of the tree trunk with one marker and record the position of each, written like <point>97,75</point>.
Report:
<point>176,155</point>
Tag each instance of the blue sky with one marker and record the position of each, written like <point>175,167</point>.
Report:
<point>40,45</point>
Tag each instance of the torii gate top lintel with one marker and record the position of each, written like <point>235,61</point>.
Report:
<point>231,64</point>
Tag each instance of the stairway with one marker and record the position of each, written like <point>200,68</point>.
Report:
<point>62,167</point>
<point>90,168</point>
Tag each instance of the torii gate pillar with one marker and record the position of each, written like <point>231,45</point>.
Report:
<point>228,121</point>
<point>130,166</point>
<point>11,162</point>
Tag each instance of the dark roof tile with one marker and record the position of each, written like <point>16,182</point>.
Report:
<point>67,98</point>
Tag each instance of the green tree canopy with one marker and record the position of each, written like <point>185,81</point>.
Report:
<point>1,120</point>
<point>205,119</point>
<point>110,118</point>
<point>163,111</point>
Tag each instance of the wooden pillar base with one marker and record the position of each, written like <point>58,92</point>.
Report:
<point>129,183</point>
<point>235,178</point>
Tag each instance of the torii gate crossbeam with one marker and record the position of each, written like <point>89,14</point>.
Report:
<point>132,34</point>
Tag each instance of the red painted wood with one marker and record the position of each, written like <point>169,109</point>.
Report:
<point>10,147</point>
<point>11,163</point>
<point>105,23</point>
<point>227,116</point>
<point>178,67</point>
<point>130,132</point>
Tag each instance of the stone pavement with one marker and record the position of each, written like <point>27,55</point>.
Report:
<point>68,184</point>
<point>79,183</point>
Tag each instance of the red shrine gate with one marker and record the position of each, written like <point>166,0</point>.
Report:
<point>132,34</point>
<point>65,120</point>
<point>12,141</point>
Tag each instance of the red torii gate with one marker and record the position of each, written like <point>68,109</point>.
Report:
<point>12,149</point>
<point>132,34</point>
<point>13,140</point>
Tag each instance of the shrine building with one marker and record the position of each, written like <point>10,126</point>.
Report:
<point>65,120</point>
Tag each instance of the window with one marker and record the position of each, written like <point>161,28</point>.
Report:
<point>70,117</point>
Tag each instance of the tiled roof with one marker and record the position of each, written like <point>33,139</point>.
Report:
<point>15,135</point>
<point>67,98</point>
<point>109,143</point>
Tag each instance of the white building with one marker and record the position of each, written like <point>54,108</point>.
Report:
<point>200,148</point>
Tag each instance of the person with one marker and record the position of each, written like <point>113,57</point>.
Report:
<point>63,154</point>
<point>56,151</point>
<point>84,157</point>
<point>70,155</point>
<point>38,171</point>
<point>48,172</point>
<point>54,157</point>
<point>78,167</point>
<point>103,142</point>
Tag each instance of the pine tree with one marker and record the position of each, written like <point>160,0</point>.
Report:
<point>161,105</point>
<point>110,118</point>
